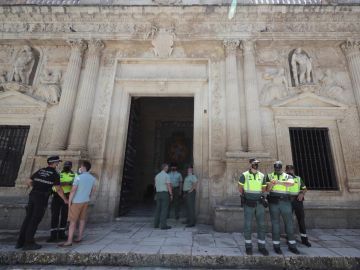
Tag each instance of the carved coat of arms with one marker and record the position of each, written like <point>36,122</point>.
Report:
<point>162,41</point>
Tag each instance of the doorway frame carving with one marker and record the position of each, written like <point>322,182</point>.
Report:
<point>124,90</point>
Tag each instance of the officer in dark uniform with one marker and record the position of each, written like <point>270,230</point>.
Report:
<point>42,182</point>
<point>58,207</point>
<point>297,193</point>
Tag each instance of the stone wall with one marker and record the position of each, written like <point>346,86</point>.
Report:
<point>86,62</point>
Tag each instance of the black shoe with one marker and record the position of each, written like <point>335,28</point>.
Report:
<point>62,235</point>
<point>248,251</point>
<point>166,228</point>
<point>264,251</point>
<point>294,250</point>
<point>184,222</point>
<point>277,250</point>
<point>177,218</point>
<point>19,245</point>
<point>32,246</point>
<point>190,225</point>
<point>53,237</point>
<point>305,241</point>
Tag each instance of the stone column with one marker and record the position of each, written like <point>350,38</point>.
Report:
<point>68,95</point>
<point>233,127</point>
<point>352,52</point>
<point>255,143</point>
<point>85,98</point>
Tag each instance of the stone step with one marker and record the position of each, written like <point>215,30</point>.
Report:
<point>114,258</point>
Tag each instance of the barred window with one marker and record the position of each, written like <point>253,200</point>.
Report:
<point>12,145</point>
<point>312,157</point>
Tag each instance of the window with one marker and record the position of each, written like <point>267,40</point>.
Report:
<point>12,145</point>
<point>312,157</point>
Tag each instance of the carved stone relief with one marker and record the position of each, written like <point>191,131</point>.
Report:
<point>49,88</point>
<point>162,41</point>
<point>23,66</point>
<point>276,88</point>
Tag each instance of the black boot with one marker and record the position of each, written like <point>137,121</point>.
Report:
<point>277,249</point>
<point>62,235</point>
<point>263,251</point>
<point>305,241</point>
<point>293,249</point>
<point>248,251</point>
<point>53,236</point>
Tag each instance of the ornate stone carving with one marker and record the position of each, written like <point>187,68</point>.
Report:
<point>23,66</point>
<point>3,76</point>
<point>275,89</point>
<point>95,46</point>
<point>351,46</point>
<point>49,88</point>
<point>167,2</point>
<point>162,41</point>
<point>15,86</point>
<point>231,45</point>
<point>78,46</point>
<point>301,67</point>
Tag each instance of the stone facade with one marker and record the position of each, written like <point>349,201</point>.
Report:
<point>70,72</point>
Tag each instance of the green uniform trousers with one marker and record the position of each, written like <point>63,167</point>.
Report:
<point>259,212</point>
<point>161,211</point>
<point>175,203</point>
<point>283,209</point>
<point>190,207</point>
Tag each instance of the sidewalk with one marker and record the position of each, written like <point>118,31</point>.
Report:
<point>138,244</point>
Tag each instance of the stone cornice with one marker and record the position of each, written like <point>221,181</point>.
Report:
<point>123,23</point>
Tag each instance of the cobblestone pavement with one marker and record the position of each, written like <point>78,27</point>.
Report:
<point>141,238</point>
<point>58,267</point>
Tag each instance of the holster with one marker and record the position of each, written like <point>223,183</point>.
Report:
<point>250,203</point>
<point>242,200</point>
<point>273,200</point>
<point>264,201</point>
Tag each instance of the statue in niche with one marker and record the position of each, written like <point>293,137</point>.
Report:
<point>23,65</point>
<point>275,89</point>
<point>331,88</point>
<point>49,88</point>
<point>3,75</point>
<point>301,67</point>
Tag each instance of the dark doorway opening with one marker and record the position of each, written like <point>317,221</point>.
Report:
<point>312,157</point>
<point>160,130</point>
<point>12,145</point>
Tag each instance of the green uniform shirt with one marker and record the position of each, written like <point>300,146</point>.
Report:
<point>161,179</point>
<point>189,181</point>
<point>175,179</point>
<point>255,177</point>
<point>298,186</point>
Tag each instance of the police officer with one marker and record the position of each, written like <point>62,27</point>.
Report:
<point>58,207</point>
<point>251,186</point>
<point>189,188</point>
<point>176,184</point>
<point>280,205</point>
<point>163,196</point>
<point>297,193</point>
<point>42,182</point>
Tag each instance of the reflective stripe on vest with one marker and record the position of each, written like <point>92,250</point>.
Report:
<point>253,184</point>
<point>295,189</point>
<point>66,178</point>
<point>279,188</point>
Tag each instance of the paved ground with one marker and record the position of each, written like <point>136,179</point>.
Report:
<point>138,241</point>
<point>59,267</point>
